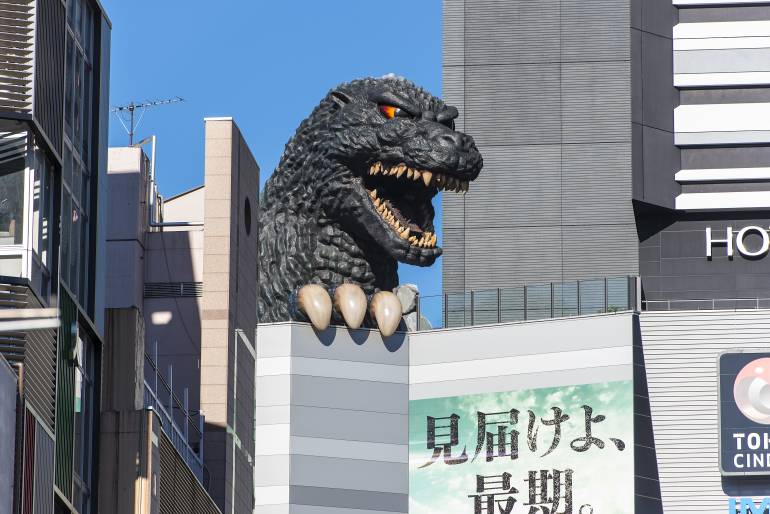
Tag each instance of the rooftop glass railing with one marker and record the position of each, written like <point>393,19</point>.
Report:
<point>706,304</point>
<point>529,302</point>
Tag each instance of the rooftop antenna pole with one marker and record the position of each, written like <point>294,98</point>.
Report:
<point>125,114</point>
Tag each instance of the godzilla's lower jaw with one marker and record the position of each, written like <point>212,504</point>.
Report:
<point>401,197</point>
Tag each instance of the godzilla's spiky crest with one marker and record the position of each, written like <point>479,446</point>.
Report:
<point>303,151</point>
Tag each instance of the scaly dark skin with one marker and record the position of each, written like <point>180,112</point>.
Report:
<point>351,196</point>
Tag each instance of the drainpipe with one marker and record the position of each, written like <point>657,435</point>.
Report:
<point>151,193</point>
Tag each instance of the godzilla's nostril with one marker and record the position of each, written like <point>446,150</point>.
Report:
<point>454,139</point>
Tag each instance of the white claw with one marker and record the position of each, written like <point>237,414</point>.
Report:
<point>350,301</point>
<point>386,310</point>
<point>314,301</point>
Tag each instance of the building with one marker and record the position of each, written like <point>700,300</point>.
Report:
<point>619,133</point>
<point>53,155</point>
<point>625,141</point>
<point>181,306</point>
<point>353,422</point>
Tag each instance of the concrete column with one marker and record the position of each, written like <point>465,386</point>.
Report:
<point>229,314</point>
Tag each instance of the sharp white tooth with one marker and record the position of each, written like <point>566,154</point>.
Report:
<point>377,202</point>
<point>433,240</point>
<point>314,302</point>
<point>350,301</point>
<point>416,175</point>
<point>413,240</point>
<point>404,234</point>
<point>393,170</point>
<point>426,178</point>
<point>409,173</point>
<point>386,310</point>
<point>373,193</point>
<point>378,166</point>
<point>400,171</point>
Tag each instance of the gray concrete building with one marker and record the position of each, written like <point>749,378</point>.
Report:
<point>625,138</point>
<point>182,308</point>
<point>337,422</point>
<point>620,138</point>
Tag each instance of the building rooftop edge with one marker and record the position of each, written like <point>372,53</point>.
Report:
<point>177,195</point>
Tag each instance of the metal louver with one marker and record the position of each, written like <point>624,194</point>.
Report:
<point>17,31</point>
<point>173,289</point>
<point>13,145</point>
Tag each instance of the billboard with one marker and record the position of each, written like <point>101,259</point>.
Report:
<point>744,413</point>
<point>562,450</point>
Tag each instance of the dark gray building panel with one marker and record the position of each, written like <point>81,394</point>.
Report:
<point>513,104</point>
<point>656,159</point>
<point>674,265</point>
<point>545,89</point>
<point>510,32</point>
<point>49,74</point>
<point>725,13</point>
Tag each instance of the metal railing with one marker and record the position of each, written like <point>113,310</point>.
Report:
<point>183,427</point>
<point>706,305</point>
<point>529,302</point>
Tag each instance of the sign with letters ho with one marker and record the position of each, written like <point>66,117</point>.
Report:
<point>564,450</point>
<point>740,240</point>
<point>744,413</point>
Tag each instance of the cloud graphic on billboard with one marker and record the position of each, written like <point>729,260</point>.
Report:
<point>752,391</point>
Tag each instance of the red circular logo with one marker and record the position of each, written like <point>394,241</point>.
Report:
<point>752,391</point>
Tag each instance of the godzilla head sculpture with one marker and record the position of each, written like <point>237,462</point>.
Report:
<point>351,196</point>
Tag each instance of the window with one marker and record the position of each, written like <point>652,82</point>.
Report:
<point>76,262</point>
<point>75,255</point>
<point>84,426</point>
<point>12,174</point>
<point>69,67</point>
<point>42,207</point>
<point>66,229</point>
<point>247,216</point>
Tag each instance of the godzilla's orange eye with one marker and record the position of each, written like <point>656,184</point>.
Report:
<point>389,111</point>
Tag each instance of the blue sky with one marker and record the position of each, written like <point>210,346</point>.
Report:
<point>267,64</point>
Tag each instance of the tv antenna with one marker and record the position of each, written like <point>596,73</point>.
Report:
<point>125,114</point>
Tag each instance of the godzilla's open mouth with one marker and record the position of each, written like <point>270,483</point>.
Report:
<point>402,196</point>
